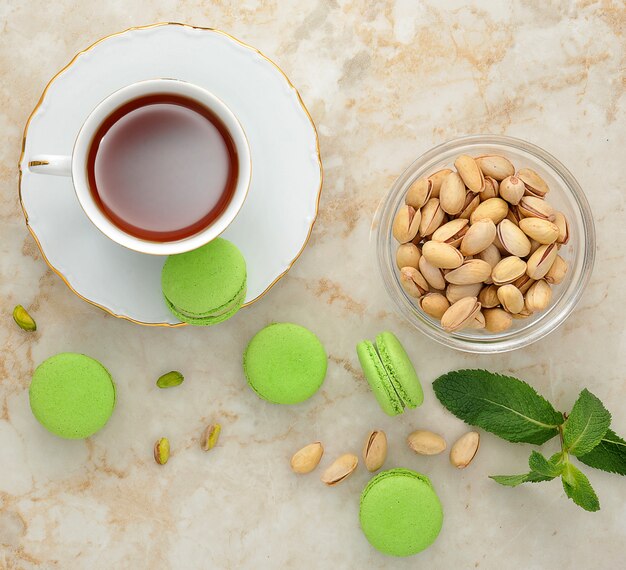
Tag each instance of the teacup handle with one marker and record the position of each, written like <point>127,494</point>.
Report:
<point>55,164</point>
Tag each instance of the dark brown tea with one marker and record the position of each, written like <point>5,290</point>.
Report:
<point>162,167</point>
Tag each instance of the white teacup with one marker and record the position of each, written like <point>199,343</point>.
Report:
<point>76,164</point>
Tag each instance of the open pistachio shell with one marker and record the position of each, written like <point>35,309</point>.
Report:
<point>460,315</point>
<point>472,271</point>
<point>479,237</point>
<point>508,270</point>
<point>419,193</point>
<point>540,262</point>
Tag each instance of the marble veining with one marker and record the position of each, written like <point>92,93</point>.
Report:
<point>384,82</point>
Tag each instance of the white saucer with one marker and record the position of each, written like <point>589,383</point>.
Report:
<point>276,220</point>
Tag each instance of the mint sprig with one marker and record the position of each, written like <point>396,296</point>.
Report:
<point>514,411</point>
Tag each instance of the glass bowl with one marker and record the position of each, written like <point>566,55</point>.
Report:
<point>565,195</point>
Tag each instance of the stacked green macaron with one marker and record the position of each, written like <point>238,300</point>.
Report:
<point>285,363</point>
<point>207,285</point>
<point>72,395</point>
<point>390,374</point>
<point>400,512</point>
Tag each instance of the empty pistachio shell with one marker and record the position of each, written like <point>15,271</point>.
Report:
<point>488,296</point>
<point>472,202</point>
<point>460,314</point>
<point>538,296</point>
<point>210,436</point>
<point>524,283</point>
<point>437,180</point>
<point>533,207</point>
<point>479,237</point>
<point>561,221</point>
<point>434,304</point>
<point>511,298</point>
<point>464,450</point>
<point>478,322</point>
<point>442,255</point>
<point>495,166</point>
<point>426,442</point>
<point>432,274</point>
<point>413,282</point>
<point>162,451</point>
<point>508,270</point>
<point>535,185</point>
<point>432,217</point>
<point>406,223</point>
<point>307,459</point>
<point>491,189</point>
<point>375,450</point>
<point>451,232</point>
<point>494,208</point>
<point>497,320</point>
<point>23,319</point>
<point>469,171</point>
<point>540,229</point>
<point>455,293</point>
<point>419,192</point>
<point>170,380</point>
<point>513,239</point>
<point>340,470</point>
<point>407,255</point>
<point>472,271</point>
<point>557,272</point>
<point>540,262</point>
<point>452,194</point>
<point>512,189</point>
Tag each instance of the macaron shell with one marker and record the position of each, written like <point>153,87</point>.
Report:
<point>285,363</point>
<point>72,395</point>
<point>378,379</point>
<point>400,512</point>
<point>400,369</point>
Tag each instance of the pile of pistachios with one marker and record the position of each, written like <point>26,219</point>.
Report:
<point>479,245</point>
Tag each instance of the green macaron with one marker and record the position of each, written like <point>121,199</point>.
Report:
<point>285,363</point>
<point>72,395</point>
<point>400,512</point>
<point>207,285</point>
<point>390,374</point>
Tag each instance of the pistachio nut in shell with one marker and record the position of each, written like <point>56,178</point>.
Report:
<point>512,189</point>
<point>524,283</point>
<point>561,221</point>
<point>432,274</point>
<point>452,194</point>
<point>535,185</point>
<point>434,304</point>
<point>437,180</point>
<point>495,166</point>
<point>432,217</point>
<point>479,237</point>
<point>408,255</point>
<point>451,232</point>
<point>464,449</point>
<point>307,459</point>
<point>472,271</point>
<point>460,314</point>
<point>455,293</point>
<point>413,282</point>
<point>538,296</point>
<point>497,320</point>
<point>540,262</point>
<point>541,230</point>
<point>470,172</point>
<point>513,239</point>
<point>406,224</point>
<point>508,270</point>
<point>442,255</point>
<point>375,450</point>
<point>491,189</point>
<point>419,192</point>
<point>511,298</point>
<point>472,201</point>
<point>533,207</point>
<point>557,272</point>
<point>488,296</point>
<point>491,255</point>
<point>340,469</point>
<point>494,208</point>
<point>426,442</point>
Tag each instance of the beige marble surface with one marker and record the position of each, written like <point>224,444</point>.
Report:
<point>384,81</point>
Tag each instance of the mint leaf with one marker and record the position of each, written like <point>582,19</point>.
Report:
<point>586,425</point>
<point>503,405</point>
<point>609,455</point>
<point>547,467</point>
<point>578,488</point>
<point>515,480</point>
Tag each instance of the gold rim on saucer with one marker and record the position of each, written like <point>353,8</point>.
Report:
<point>159,24</point>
